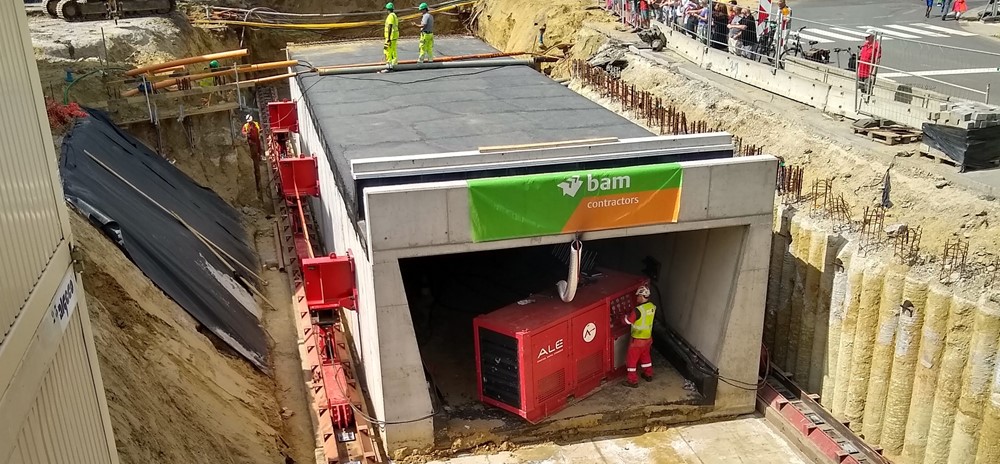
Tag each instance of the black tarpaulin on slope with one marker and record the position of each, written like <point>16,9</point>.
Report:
<point>970,148</point>
<point>170,255</point>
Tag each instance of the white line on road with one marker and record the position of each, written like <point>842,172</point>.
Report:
<point>943,72</point>
<point>891,33</point>
<point>811,37</point>
<point>945,30</point>
<point>915,31</point>
<point>861,35</point>
<point>831,34</point>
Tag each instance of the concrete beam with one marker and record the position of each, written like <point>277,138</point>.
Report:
<point>424,215</point>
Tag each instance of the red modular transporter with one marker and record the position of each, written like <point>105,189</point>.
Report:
<point>531,358</point>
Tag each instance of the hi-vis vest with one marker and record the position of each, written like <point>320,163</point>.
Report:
<point>642,328</point>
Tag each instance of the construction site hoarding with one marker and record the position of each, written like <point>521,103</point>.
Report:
<point>567,202</point>
<point>52,403</point>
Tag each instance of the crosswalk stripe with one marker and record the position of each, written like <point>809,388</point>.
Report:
<point>942,72</point>
<point>831,34</point>
<point>811,37</point>
<point>861,35</point>
<point>945,30</point>
<point>891,33</point>
<point>915,31</point>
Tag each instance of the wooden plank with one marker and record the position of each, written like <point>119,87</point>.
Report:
<point>176,114</point>
<point>568,143</point>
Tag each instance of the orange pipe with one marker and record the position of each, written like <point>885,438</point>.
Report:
<point>481,56</point>
<point>189,60</point>
<point>194,77</point>
<point>169,70</point>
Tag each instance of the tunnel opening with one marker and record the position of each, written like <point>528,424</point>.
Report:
<point>692,276</point>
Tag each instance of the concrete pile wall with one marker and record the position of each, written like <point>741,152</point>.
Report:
<point>924,385</point>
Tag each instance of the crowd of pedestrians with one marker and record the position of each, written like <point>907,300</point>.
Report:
<point>723,26</point>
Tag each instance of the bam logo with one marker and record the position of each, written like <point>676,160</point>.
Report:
<point>550,350</point>
<point>571,186</point>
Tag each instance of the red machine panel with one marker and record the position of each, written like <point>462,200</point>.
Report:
<point>531,358</point>
<point>328,282</point>
<point>299,177</point>
<point>283,116</point>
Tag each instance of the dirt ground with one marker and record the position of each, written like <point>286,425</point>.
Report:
<point>173,396</point>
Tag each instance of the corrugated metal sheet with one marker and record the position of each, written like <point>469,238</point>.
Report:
<point>29,215</point>
<point>64,425</point>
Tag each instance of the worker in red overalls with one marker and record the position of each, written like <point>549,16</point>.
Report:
<point>251,130</point>
<point>641,320</point>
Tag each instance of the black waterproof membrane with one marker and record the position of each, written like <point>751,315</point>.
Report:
<point>169,254</point>
<point>970,148</point>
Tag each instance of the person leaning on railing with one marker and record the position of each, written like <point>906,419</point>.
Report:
<point>871,53</point>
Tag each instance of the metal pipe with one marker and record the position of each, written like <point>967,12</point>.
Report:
<point>226,72</point>
<point>189,60</point>
<point>443,59</point>
<point>567,288</point>
<point>432,65</point>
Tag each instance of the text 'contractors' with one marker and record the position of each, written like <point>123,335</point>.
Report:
<point>615,202</point>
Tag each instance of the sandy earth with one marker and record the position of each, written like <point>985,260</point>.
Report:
<point>173,396</point>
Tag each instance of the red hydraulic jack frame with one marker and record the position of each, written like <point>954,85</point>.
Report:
<point>323,286</point>
<point>802,412</point>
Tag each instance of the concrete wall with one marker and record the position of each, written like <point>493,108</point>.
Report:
<point>379,317</point>
<point>821,86</point>
<point>925,386</point>
<point>692,263</point>
<point>433,219</point>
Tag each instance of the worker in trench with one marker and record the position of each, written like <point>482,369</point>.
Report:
<point>641,320</point>
<point>426,25</point>
<point>391,37</point>
<point>251,131</point>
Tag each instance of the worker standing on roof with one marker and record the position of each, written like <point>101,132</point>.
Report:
<point>426,35</point>
<point>391,37</point>
<point>251,130</point>
<point>641,320</point>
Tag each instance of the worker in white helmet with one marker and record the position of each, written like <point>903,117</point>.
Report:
<point>641,320</point>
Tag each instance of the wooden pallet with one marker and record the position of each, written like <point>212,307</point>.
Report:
<point>939,158</point>
<point>890,135</point>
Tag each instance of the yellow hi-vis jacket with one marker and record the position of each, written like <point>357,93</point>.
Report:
<point>391,20</point>
<point>642,327</point>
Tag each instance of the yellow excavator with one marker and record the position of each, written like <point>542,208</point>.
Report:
<point>89,10</point>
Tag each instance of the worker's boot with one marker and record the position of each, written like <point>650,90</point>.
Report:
<point>630,384</point>
<point>647,377</point>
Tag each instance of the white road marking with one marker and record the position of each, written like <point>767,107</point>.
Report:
<point>861,35</point>
<point>891,33</point>
<point>943,72</point>
<point>811,37</point>
<point>945,30</point>
<point>831,34</point>
<point>915,31</point>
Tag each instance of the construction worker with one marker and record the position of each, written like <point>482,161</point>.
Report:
<point>391,37</point>
<point>213,66</point>
<point>426,35</point>
<point>251,130</point>
<point>641,320</point>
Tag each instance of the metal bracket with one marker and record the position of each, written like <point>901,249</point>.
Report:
<point>77,256</point>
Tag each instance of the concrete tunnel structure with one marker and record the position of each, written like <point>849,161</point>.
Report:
<point>400,153</point>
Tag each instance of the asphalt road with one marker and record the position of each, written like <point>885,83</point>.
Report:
<point>911,42</point>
